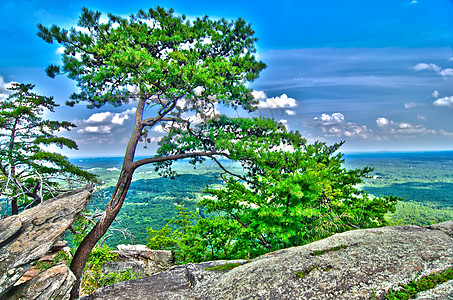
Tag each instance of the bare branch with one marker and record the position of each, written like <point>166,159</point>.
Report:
<point>150,160</point>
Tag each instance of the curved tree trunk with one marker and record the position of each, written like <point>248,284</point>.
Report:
<point>83,251</point>
<point>113,207</point>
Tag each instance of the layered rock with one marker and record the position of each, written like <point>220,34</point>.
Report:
<point>140,259</point>
<point>54,283</point>
<point>27,237</point>
<point>357,264</point>
<point>173,284</point>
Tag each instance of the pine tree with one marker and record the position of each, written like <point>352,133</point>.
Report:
<point>30,174</point>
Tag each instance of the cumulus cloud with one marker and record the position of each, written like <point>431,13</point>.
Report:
<point>102,128</point>
<point>433,67</point>
<point>401,130</point>
<point>424,66</point>
<point>382,122</point>
<point>326,119</point>
<point>123,116</point>
<point>275,102</point>
<point>290,112</point>
<point>445,101</point>
<point>99,117</point>
<point>4,92</point>
<point>334,125</point>
<point>435,94</point>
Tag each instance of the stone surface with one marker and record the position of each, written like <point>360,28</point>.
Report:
<point>54,283</point>
<point>49,258</point>
<point>369,260</point>
<point>132,266</point>
<point>350,265</point>
<point>154,261</point>
<point>28,236</point>
<point>173,284</point>
<point>446,227</point>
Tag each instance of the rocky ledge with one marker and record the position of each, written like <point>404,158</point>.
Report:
<point>358,264</point>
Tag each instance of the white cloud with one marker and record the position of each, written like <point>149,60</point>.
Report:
<point>433,67</point>
<point>382,122</point>
<point>60,50</point>
<point>446,72</point>
<point>326,119</point>
<point>424,66</point>
<point>413,104</point>
<point>102,128</point>
<point>119,118</point>
<point>445,133</point>
<point>95,129</point>
<point>290,112</point>
<point>421,117</point>
<point>401,130</point>
<point>435,94</point>
<point>99,117</point>
<point>4,92</point>
<point>414,2</point>
<point>335,126</point>
<point>274,102</point>
<point>445,101</point>
<point>259,95</point>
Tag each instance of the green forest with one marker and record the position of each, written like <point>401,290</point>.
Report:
<point>424,181</point>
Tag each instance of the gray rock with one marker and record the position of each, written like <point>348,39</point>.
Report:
<point>350,265</point>
<point>28,236</point>
<point>446,227</point>
<point>154,261</point>
<point>54,283</point>
<point>173,284</point>
<point>132,266</point>
<point>363,262</point>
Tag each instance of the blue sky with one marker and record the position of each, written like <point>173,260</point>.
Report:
<point>377,74</point>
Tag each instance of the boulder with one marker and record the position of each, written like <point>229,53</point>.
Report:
<point>153,261</point>
<point>26,237</point>
<point>54,283</point>
<point>359,264</point>
<point>350,265</point>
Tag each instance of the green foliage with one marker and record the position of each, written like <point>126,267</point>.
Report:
<point>421,214</point>
<point>290,192</point>
<point>224,267</point>
<point>60,257</point>
<point>156,53</point>
<point>321,252</point>
<point>99,256</point>
<point>183,240</point>
<point>30,174</point>
<point>93,277</point>
<point>410,290</point>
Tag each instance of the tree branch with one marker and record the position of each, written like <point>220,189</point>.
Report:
<point>150,160</point>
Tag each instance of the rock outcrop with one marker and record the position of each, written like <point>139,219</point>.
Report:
<point>140,259</point>
<point>174,284</point>
<point>26,237</point>
<point>351,265</point>
<point>54,283</point>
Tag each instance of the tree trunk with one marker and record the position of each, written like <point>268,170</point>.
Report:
<point>113,207</point>
<point>14,207</point>
<point>83,251</point>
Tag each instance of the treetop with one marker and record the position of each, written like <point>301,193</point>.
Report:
<point>157,56</point>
